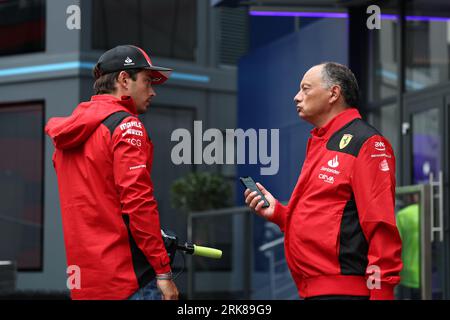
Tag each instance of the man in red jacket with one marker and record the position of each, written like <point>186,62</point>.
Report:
<point>341,239</point>
<point>103,159</point>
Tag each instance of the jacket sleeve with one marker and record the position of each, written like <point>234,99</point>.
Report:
<point>279,215</point>
<point>132,160</point>
<point>373,183</point>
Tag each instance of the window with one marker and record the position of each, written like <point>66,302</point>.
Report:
<point>22,26</point>
<point>383,72</point>
<point>232,34</point>
<point>166,28</point>
<point>21,184</point>
<point>427,44</point>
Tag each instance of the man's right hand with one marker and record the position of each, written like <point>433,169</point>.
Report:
<point>254,201</point>
<point>168,289</point>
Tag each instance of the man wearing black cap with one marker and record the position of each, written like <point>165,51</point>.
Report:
<point>103,159</point>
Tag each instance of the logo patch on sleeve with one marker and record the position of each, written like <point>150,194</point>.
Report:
<point>379,145</point>
<point>384,165</point>
<point>133,132</point>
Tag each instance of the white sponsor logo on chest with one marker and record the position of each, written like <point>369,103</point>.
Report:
<point>326,178</point>
<point>333,163</point>
<point>329,170</point>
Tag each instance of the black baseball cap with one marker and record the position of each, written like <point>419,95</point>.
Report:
<point>130,57</point>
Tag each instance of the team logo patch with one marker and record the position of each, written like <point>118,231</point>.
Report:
<point>345,140</point>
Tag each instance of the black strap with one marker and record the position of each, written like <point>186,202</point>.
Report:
<point>114,119</point>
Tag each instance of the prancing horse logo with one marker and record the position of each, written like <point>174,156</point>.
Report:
<point>345,140</point>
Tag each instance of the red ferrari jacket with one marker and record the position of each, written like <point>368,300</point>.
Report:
<point>103,158</point>
<point>340,232</point>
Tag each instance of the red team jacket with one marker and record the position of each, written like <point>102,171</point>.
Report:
<point>339,223</point>
<point>103,159</point>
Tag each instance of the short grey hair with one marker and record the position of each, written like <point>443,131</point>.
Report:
<point>334,73</point>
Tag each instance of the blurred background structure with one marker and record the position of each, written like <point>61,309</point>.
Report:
<point>237,64</point>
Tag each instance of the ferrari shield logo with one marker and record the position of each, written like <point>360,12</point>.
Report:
<point>345,140</point>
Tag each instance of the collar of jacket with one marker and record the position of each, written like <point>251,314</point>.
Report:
<point>336,123</point>
<point>125,101</point>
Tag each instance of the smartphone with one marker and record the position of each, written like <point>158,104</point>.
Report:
<point>249,183</point>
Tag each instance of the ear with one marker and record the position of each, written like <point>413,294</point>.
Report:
<point>123,80</point>
<point>335,94</point>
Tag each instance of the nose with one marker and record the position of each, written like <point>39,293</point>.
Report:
<point>152,92</point>
<point>298,97</point>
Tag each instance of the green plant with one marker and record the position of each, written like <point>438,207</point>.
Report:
<point>200,191</point>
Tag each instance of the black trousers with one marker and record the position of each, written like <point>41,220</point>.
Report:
<point>338,297</point>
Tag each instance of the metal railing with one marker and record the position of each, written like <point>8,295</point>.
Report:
<point>439,196</point>
<point>239,257</point>
<point>239,260</point>
<point>279,282</point>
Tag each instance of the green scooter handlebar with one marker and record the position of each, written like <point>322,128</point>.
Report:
<point>207,252</point>
<point>171,241</point>
<point>200,251</point>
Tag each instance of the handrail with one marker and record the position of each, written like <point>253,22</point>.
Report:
<point>248,236</point>
<point>271,244</point>
<point>20,222</point>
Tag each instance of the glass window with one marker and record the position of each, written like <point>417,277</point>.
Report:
<point>22,26</point>
<point>21,185</point>
<point>166,28</point>
<point>427,43</point>
<point>385,119</point>
<point>384,65</point>
<point>426,145</point>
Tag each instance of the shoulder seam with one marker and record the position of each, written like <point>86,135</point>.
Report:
<point>115,119</point>
<point>342,128</point>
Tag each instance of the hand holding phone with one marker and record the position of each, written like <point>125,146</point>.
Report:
<point>249,183</point>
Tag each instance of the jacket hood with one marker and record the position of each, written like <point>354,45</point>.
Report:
<point>72,131</point>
